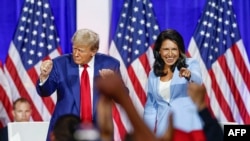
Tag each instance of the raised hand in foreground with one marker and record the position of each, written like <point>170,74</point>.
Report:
<point>112,86</point>
<point>211,128</point>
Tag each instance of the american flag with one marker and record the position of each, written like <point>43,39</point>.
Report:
<point>35,39</point>
<point>5,97</point>
<point>217,44</point>
<point>132,43</point>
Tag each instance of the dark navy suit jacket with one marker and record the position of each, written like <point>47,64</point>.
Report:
<point>64,78</point>
<point>4,134</point>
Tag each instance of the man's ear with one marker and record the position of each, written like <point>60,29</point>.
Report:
<point>94,51</point>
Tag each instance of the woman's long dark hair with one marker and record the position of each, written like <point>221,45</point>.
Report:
<point>159,64</point>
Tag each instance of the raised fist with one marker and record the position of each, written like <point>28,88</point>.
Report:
<point>45,69</point>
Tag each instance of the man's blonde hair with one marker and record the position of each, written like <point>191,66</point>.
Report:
<point>86,37</point>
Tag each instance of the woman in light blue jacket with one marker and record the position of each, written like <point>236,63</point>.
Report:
<point>167,86</point>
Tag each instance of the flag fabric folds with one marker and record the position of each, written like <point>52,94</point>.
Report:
<point>5,97</point>
<point>217,44</point>
<point>35,39</point>
<point>132,45</point>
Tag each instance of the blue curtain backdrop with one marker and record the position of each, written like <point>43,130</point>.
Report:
<point>181,15</point>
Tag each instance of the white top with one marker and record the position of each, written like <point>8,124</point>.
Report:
<point>164,89</point>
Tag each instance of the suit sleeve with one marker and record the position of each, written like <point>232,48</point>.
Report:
<point>194,67</point>
<point>117,67</point>
<point>150,109</point>
<point>212,129</point>
<point>50,85</point>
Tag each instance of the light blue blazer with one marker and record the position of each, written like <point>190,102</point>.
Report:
<point>157,110</point>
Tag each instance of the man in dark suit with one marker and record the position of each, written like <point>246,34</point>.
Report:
<point>63,74</point>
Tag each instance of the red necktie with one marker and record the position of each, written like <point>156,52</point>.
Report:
<point>86,109</point>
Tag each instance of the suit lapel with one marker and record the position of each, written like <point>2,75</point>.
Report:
<point>74,82</point>
<point>173,83</point>
<point>97,67</point>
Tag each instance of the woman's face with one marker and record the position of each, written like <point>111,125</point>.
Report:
<point>169,52</point>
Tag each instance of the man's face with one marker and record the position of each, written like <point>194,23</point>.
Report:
<point>22,112</point>
<point>82,54</point>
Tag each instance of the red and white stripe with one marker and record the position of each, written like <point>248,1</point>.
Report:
<point>227,83</point>
<point>22,84</point>
<point>5,100</point>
